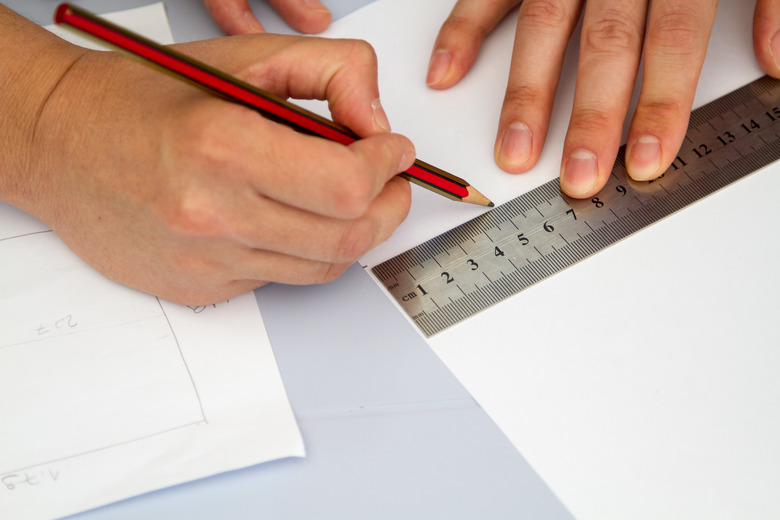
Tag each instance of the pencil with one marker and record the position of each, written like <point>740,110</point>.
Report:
<point>226,86</point>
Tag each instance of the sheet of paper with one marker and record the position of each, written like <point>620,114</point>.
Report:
<point>106,392</point>
<point>641,383</point>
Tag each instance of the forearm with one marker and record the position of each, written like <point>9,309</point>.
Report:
<point>32,61</point>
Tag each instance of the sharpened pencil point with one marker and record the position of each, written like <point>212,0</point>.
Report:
<point>475,197</point>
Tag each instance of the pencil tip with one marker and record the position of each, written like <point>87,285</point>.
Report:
<point>491,205</point>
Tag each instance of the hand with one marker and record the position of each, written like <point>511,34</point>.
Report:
<point>183,195</point>
<point>613,39</point>
<point>236,17</point>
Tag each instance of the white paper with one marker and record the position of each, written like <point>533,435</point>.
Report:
<point>107,392</point>
<point>642,382</point>
<point>150,21</point>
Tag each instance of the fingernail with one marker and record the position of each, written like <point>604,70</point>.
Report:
<point>579,173</point>
<point>438,67</point>
<point>407,159</point>
<point>316,5</point>
<point>380,117</point>
<point>644,158</point>
<point>774,48</point>
<point>515,146</point>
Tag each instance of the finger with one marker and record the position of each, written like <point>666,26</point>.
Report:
<point>302,235</point>
<point>308,249</point>
<point>677,37</point>
<point>327,178</point>
<point>311,173</point>
<point>610,50</point>
<point>460,37</point>
<point>234,16</point>
<point>343,72</point>
<point>766,35</point>
<point>543,32</point>
<point>308,16</point>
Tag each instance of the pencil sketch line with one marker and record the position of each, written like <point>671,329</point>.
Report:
<point>186,366</point>
<point>26,235</point>
<point>96,450</point>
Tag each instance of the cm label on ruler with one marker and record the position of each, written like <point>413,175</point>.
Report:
<point>540,233</point>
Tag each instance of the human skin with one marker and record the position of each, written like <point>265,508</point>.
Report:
<point>672,34</point>
<point>173,191</point>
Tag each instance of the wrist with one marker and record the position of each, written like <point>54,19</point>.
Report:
<point>32,63</point>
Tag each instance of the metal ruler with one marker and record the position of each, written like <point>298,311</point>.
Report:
<point>498,254</point>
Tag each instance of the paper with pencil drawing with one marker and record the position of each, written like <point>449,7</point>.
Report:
<point>106,392</point>
<point>641,383</point>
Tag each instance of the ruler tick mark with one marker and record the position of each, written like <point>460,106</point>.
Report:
<point>647,203</point>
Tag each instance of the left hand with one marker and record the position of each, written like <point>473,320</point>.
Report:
<point>673,35</point>
<point>236,17</point>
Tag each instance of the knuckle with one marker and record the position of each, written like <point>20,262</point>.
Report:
<point>543,13</point>
<point>590,121</point>
<point>461,27</point>
<point>613,33</point>
<point>518,96</point>
<point>328,273</point>
<point>660,112</point>
<point>676,29</point>
<point>353,193</point>
<point>354,240</point>
<point>192,213</point>
<point>361,52</point>
<point>204,143</point>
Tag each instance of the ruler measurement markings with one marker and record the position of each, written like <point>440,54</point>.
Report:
<point>724,162</point>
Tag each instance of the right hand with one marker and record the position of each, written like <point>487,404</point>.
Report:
<point>173,191</point>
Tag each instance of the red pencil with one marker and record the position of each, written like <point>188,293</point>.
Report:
<point>273,107</point>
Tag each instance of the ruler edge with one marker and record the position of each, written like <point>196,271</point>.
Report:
<point>700,115</point>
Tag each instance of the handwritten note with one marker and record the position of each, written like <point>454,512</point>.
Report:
<point>106,392</point>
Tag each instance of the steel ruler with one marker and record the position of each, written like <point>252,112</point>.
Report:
<point>498,254</point>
